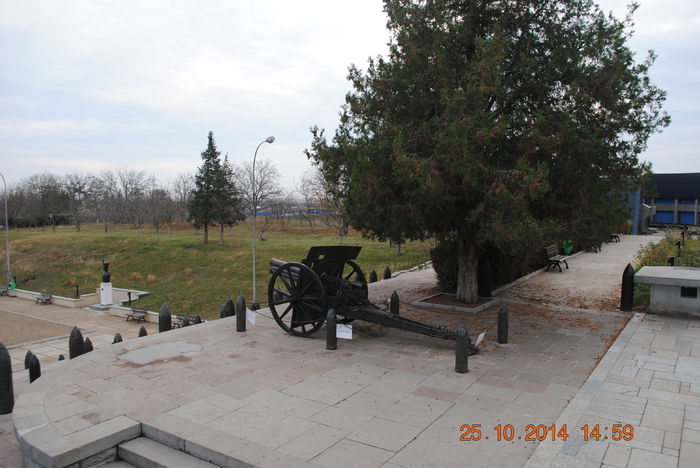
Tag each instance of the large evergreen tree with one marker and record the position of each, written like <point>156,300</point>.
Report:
<point>206,204</point>
<point>491,122</point>
<point>229,205</point>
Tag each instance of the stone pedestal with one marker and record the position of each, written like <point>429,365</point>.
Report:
<point>105,294</point>
<point>674,290</point>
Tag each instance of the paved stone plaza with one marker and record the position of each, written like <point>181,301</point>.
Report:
<point>388,398</point>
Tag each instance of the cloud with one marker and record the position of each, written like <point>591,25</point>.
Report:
<point>44,127</point>
<point>140,84</point>
<point>201,59</point>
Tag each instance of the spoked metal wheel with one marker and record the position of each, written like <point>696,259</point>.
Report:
<point>297,299</point>
<point>352,272</point>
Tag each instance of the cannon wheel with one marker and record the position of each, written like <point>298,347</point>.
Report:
<point>297,302</point>
<point>351,272</point>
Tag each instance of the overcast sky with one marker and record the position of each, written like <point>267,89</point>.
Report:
<point>91,85</point>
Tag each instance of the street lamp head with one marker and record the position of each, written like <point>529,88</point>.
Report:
<point>270,139</point>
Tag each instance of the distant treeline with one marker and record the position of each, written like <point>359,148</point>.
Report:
<point>131,197</point>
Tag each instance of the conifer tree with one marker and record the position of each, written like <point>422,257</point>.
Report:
<point>491,123</point>
<point>205,205</point>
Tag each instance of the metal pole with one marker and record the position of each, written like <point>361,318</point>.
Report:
<point>254,305</point>
<point>7,234</point>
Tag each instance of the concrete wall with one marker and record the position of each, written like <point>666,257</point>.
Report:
<point>119,295</point>
<point>84,300</point>
<point>667,300</point>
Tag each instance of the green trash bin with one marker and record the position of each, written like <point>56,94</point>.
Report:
<point>568,247</point>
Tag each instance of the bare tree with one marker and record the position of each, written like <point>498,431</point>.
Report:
<point>105,198</point>
<point>181,190</point>
<point>131,187</point>
<point>331,199</point>
<point>158,205</point>
<point>40,201</point>
<point>309,199</point>
<point>78,188</point>
<point>257,197</point>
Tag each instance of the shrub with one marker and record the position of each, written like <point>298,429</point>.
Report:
<point>444,257</point>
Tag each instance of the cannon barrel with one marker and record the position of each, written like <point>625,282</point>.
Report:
<point>276,263</point>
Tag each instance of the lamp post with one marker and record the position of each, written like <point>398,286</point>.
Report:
<point>254,305</point>
<point>7,234</point>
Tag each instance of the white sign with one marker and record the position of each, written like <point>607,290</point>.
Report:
<point>343,331</point>
<point>250,315</point>
<point>480,338</point>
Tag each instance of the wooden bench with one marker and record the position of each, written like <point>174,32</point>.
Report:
<point>554,258</point>
<point>136,314</point>
<point>178,321</point>
<point>44,298</point>
<point>4,291</point>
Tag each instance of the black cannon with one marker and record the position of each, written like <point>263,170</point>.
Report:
<point>301,293</point>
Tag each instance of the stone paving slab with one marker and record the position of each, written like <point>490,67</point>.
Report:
<point>391,398</point>
<point>386,396</point>
<point>660,406</point>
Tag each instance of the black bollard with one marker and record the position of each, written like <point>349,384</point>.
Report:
<point>240,314</point>
<point>142,331</point>
<point>394,303</point>
<point>117,338</point>
<point>27,357</point>
<point>627,299</point>
<point>331,325</point>
<point>7,392</point>
<point>502,334</point>
<point>372,276</point>
<point>61,357</point>
<point>87,346</point>
<point>678,246</point>
<point>165,320</point>
<point>461,351</point>
<point>226,309</point>
<point>34,368</point>
<point>77,292</point>
<point>76,344</point>
<point>387,272</point>
<point>129,296</point>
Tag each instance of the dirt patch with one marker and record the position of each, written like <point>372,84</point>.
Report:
<point>18,329</point>
<point>451,300</point>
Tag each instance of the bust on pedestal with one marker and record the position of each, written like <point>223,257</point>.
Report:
<point>106,286</point>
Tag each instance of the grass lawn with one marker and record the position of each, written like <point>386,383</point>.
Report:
<point>175,267</point>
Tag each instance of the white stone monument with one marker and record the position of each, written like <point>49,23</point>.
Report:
<point>106,287</point>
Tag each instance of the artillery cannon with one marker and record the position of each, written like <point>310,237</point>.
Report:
<point>300,294</point>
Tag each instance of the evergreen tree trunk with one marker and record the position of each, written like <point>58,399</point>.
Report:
<point>205,240</point>
<point>467,286</point>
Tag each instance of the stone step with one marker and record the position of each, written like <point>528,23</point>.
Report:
<point>117,464</point>
<point>146,453</point>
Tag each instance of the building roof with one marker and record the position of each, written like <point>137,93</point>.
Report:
<point>686,185</point>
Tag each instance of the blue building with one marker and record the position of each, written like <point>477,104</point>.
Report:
<point>675,197</point>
